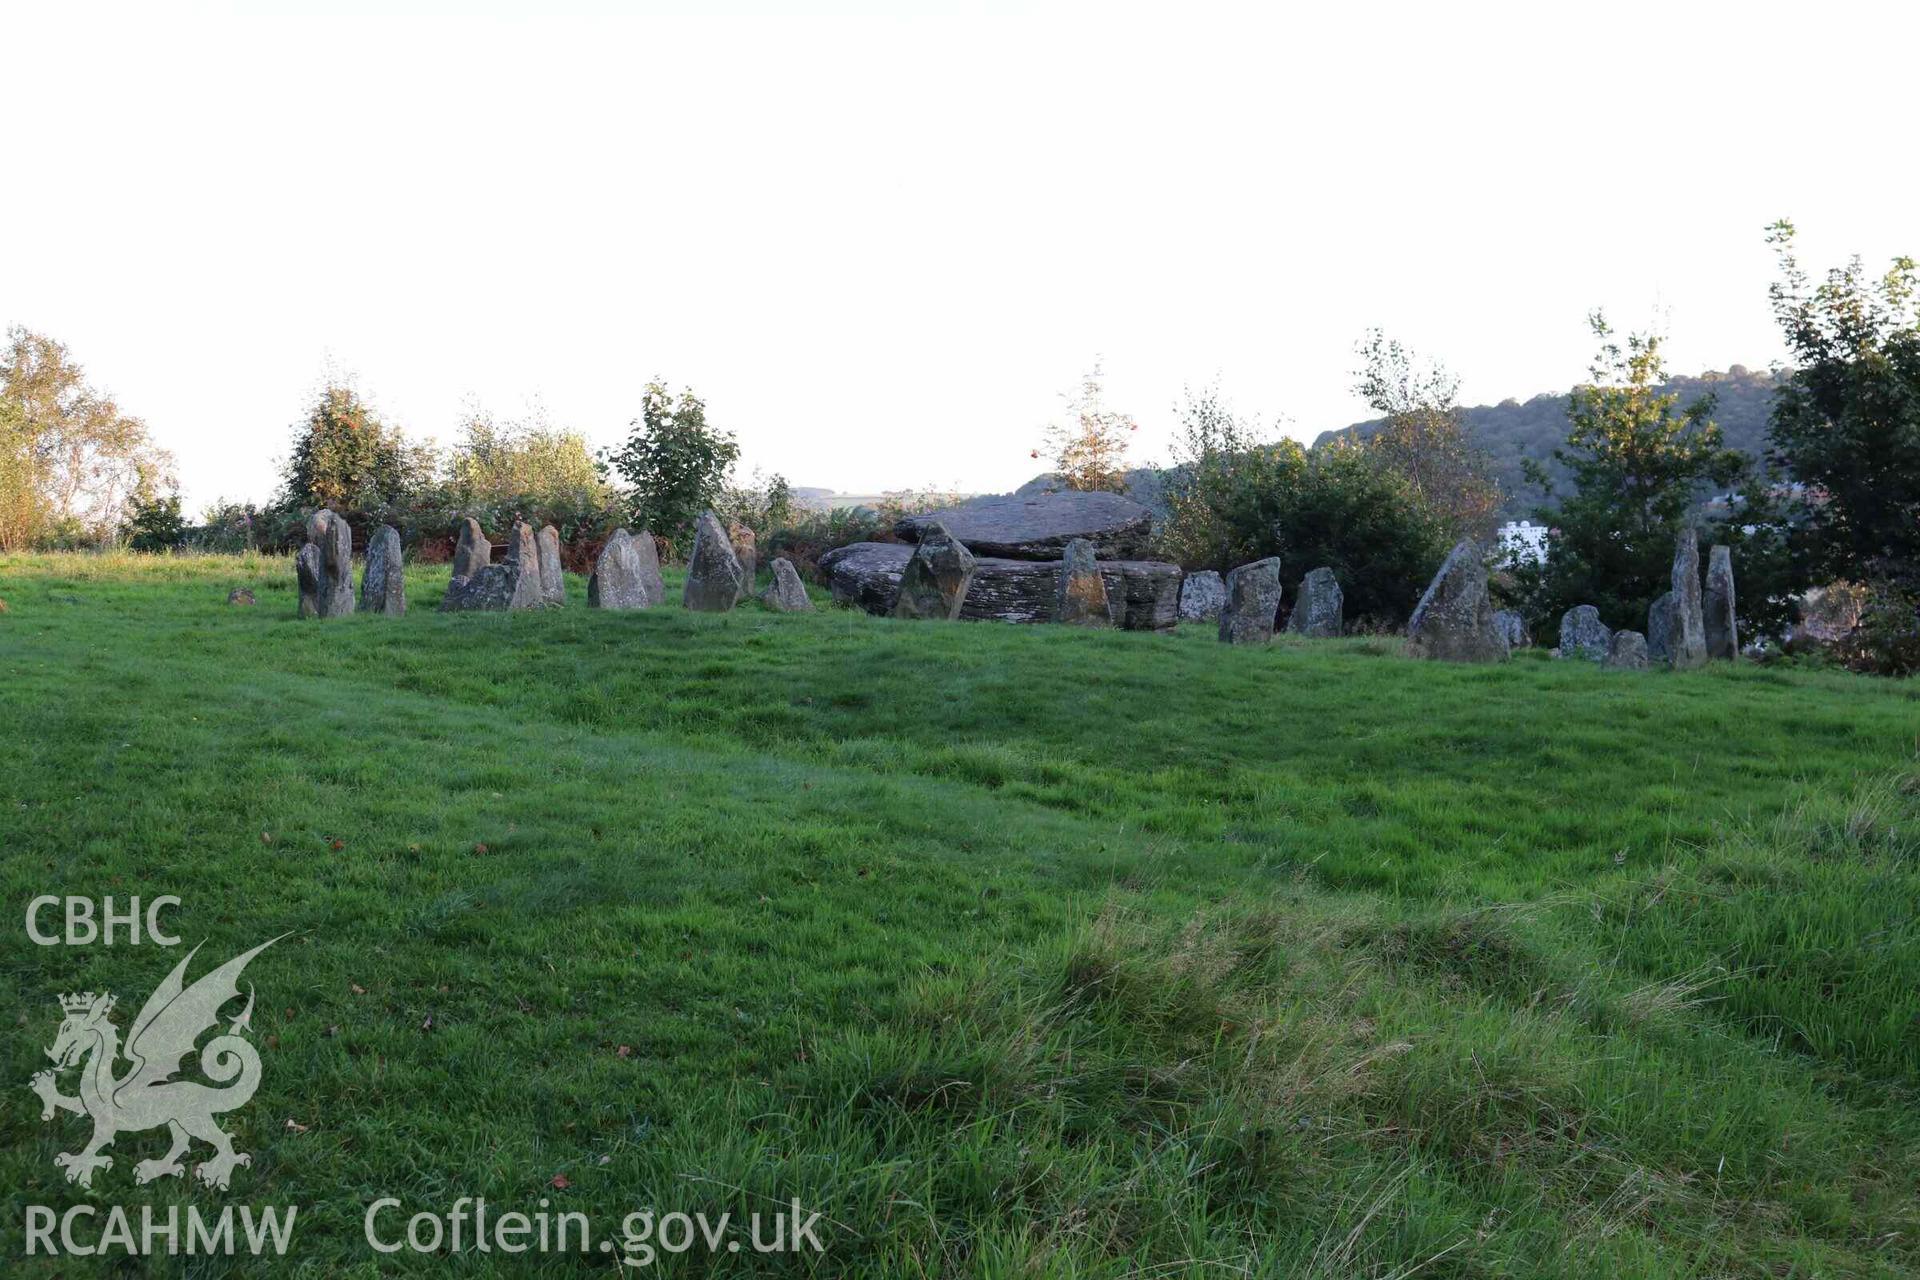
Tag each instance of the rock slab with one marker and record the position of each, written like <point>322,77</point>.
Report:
<point>715,579</point>
<point>1626,651</point>
<point>1583,635</point>
<point>491,589</point>
<point>1202,596</point>
<point>326,576</point>
<point>523,552</point>
<point>1660,629</point>
<point>1454,619</point>
<point>936,578</point>
<point>618,580</point>
<point>383,583</point>
<point>1512,628</point>
<point>1253,600</point>
<point>553,579</point>
<point>1319,609</point>
<point>747,551</point>
<point>471,550</point>
<point>1038,526</point>
<point>786,593</point>
<point>1687,636</point>
<point>1717,606</point>
<point>1081,600</point>
<point>1143,594</point>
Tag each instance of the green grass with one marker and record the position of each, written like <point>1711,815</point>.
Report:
<point>1013,951</point>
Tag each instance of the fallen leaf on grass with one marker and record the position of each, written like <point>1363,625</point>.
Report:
<point>295,1125</point>
<point>560,1182</point>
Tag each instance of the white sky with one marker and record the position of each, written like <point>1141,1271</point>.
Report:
<point>881,239</point>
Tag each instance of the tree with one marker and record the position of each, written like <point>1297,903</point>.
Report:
<point>1088,442</point>
<point>1424,436</point>
<point>69,458</point>
<point>673,464</point>
<point>1638,463</point>
<point>1847,419</point>
<point>345,457</point>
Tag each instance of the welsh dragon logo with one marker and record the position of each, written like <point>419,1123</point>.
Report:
<point>146,1095</point>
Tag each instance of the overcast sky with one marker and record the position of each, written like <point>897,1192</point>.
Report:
<point>881,239</point>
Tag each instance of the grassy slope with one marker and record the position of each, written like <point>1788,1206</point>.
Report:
<point>1014,950</point>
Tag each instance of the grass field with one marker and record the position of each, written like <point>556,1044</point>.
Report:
<point>1011,951</point>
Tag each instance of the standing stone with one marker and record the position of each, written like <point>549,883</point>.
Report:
<point>312,575</point>
<point>934,583</point>
<point>1081,598</point>
<point>471,550</point>
<point>1318,609</point>
<point>553,579</point>
<point>1660,629</point>
<point>1689,634</point>
<point>1454,620</point>
<point>1253,599</point>
<point>1512,628</point>
<point>714,575</point>
<point>326,578</point>
<point>383,584</point>
<point>786,593</point>
<point>646,553</point>
<point>1583,635</point>
<point>746,551</point>
<point>1202,596</point>
<point>1627,651</point>
<point>617,582</point>
<point>1723,631</point>
<point>523,553</point>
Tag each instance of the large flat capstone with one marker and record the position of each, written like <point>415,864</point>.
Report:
<point>1143,595</point>
<point>1038,526</point>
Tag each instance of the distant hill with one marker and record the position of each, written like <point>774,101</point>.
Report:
<point>1512,431</point>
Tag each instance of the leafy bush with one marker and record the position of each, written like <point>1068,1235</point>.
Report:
<point>1234,498</point>
<point>154,524</point>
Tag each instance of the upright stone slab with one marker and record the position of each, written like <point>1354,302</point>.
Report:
<point>492,588</point>
<point>1723,630</point>
<point>326,579</point>
<point>1081,600</point>
<point>934,583</point>
<point>746,550</point>
<point>646,553</point>
<point>1202,596</point>
<point>616,582</point>
<point>523,553</point>
<point>313,577</point>
<point>1454,619</point>
<point>553,579</point>
<point>1319,609</point>
<point>1583,635</point>
<point>1689,632</point>
<point>1512,628</point>
<point>1253,599</point>
<point>471,550</point>
<point>1626,651</point>
<point>1660,629</point>
<point>786,593</point>
<point>715,579</point>
<point>383,583</point>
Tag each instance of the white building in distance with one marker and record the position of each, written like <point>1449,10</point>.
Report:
<point>1522,541</point>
